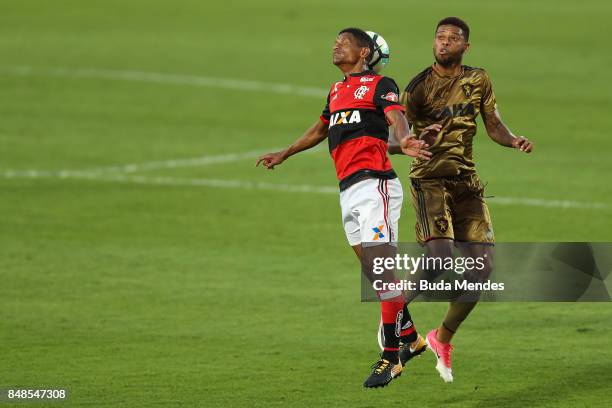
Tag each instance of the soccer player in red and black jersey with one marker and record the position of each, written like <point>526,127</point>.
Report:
<point>356,121</point>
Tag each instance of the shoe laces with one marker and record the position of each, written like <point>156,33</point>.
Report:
<point>380,366</point>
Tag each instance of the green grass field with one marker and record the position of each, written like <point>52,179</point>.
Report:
<point>205,282</point>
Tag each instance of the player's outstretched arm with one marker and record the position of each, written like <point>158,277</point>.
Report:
<point>408,142</point>
<point>499,132</point>
<point>312,137</point>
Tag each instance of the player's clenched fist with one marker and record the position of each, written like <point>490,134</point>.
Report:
<point>523,144</point>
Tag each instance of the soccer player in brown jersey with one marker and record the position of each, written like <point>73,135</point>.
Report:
<point>447,194</point>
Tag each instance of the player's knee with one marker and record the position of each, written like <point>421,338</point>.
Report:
<point>439,248</point>
<point>485,267</point>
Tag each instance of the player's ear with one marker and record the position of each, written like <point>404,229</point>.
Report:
<point>467,47</point>
<point>365,53</point>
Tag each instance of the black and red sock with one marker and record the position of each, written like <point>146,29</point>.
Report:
<point>391,309</point>
<point>408,332</point>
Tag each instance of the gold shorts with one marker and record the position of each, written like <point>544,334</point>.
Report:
<point>451,208</point>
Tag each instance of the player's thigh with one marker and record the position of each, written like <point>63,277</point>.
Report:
<point>349,208</point>
<point>370,211</point>
<point>379,211</point>
<point>395,199</point>
<point>430,200</point>
<point>482,254</point>
<point>472,220</point>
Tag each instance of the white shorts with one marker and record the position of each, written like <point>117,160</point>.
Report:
<point>371,210</point>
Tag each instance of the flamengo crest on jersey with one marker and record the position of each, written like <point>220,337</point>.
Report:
<point>361,91</point>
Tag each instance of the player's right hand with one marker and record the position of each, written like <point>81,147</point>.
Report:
<point>411,146</point>
<point>270,160</point>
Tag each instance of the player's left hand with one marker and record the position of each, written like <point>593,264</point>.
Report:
<point>523,144</point>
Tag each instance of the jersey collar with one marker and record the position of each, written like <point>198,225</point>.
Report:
<point>362,73</point>
<point>433,67</point>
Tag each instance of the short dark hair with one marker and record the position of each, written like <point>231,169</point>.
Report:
<point>457,22</point>
<point>363,39</point>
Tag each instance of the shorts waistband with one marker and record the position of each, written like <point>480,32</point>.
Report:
<point>460,177</point>
<point>364,175</point>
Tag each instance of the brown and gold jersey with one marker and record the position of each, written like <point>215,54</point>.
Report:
<point>453,102</point>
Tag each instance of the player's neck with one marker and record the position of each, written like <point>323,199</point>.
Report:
<point>449,70</point>
<point>353,69</point>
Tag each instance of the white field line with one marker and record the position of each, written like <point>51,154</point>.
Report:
<point>250,185</point>
<point>170,181</point>
<point>164,78</point>
<point>540,202</point>
<point>177,163</point>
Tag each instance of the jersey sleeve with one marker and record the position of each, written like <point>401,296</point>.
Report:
<point>487,102</point>
<point>325,115</point>
<point>386,95</point>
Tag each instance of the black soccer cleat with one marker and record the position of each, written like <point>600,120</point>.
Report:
<point>383,372</point>
<point>406,352</point>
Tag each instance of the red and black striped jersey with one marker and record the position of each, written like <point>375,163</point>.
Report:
<point>358,129</point>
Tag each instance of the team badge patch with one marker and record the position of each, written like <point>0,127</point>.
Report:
<point>467,90</point>
<point>360,92</point>
<point>442,224</point>
<point>378,232</point>
<point>391,97</point>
